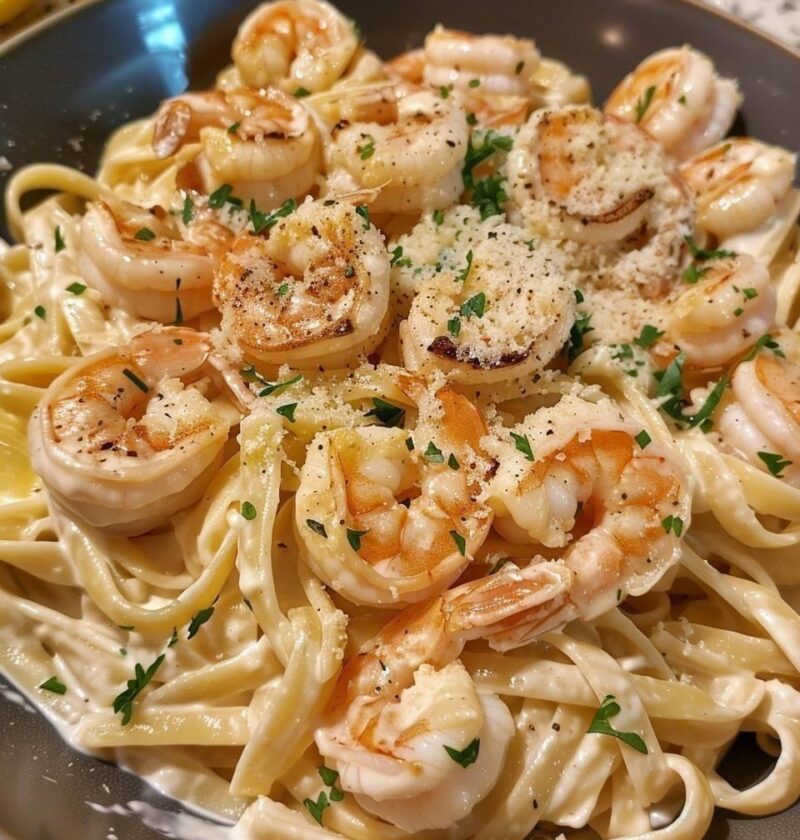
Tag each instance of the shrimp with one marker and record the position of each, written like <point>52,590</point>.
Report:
<point>579,176</point>
<point>678,98</point>
<point>411,499</point>
<point>725,313</point>
<point>739,184</point>
<point>415,160</point>
<point>127,437</point>
<point>138,260</point>
<point>316,291</point>
<point>762,424</point>
<point>263,144</point>
<point>554,84</point>
<point>581,475</point>
<point>304,44</point>
<point>506,312</point>
<point>408,67</point>
<point>497,64</point>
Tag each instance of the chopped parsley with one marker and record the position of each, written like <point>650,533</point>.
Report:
<point>703,254</point>
<point>265,221</point>
<point>386,413</point>
<point>670,386</point>
<point>438,217</point>
<point>76,288</point>
<point>473,83</point>
<point>648,336</point>
<point>55,685</point>
<point>444,91</point>
<point>672,524</point>
<point>354,538</point>
<point>579,329</point>
<point>59,239</point>
<point>274,387</point>
<point>249,511</point>
<point>473,306</point>
<point>410,444</point>
<point>366,151</point>
<point>301,92</point>
<point>220,195</point>
<point>198,621</point>
<point>749,293</point>
<point>601,726</point>
<point>317,527</point>
<point>452,462</point>
<point>518,68</point>
<point>123,702</point>
<point>188,210</point>
<point>467,756</point>
<point>579,296</point>
<point>461,543</point>
<point>283,290</point>
<point>40,312</point>
<point>398,259</point>
<point>774,463</point>
<point>462,276</point>
<point>454,327</point>
<point>703,416</point>
<point>317,809</point>
<point>363,211</point>
<point>644,103</point>
<point>487,194</point>
<point>142,386</point>
<point>499,565</point>
<point>693,273</point>
<point>522,445</point>
<point>287,411</point>
<point>433,454</point>
<point>767,341</point>
<point>144,234</point>
<point>643,439</point>
<point>233,127</point>
<point>472,119</point>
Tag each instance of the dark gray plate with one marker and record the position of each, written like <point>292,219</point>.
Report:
<point>114,61</point>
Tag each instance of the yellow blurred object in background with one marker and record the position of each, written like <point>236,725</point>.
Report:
<point>11,8</point>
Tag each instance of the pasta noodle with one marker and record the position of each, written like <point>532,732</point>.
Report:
<point>171,586</point>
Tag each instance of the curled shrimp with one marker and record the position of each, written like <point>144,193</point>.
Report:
<point>414,155</point>
<point>505,314</point>
<point>762,424</point>
<point>497,64</point>
<point>576,476</point>
<point>141,261</point>
<point>579,176</point>
<point>739,184</point>
<point>315,291</point>
<point>720,317</point>
<point>678,98</point>
<point>260,142</point>
<point>411,499</point>
<point>294,44</point>
<point>127,437</point>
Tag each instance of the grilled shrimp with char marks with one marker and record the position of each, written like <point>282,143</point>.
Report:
<point>145,263</point>
<point>505,314</point>
<point>262,143</point>
<point>738,184</point>
<point>576,476</point>
<point>127,437</point>
<point>678,98</point>
<point>411,499</point>
<point>413,155</point>
<point>295,44</point>
<point>315,291</point>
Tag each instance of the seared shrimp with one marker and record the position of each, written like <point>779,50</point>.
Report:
<point>498,64</point>
<point>678,98</point>
<point>580,176</point>
<point>260,142</point>
<point>138,260</point>
<point>738,184</point>
<point>729,307</point>
<point>304,44</point>
<point>580,465</point>
<point>410,499</point>
<point>505,312</point>
<point>763,423</point>
<point>414,158</point>
<point>316,291</point>
<point>127,437</point>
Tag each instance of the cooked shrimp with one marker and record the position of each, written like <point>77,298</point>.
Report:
<point>415,160</point>
<point>506,311</point>
<point>316,291</point>
<point>676,96</point>
<point>295,44</point>
<point>261,143</point>
<point>138,260</point>
<point>577,175</point>
<point>408,66</point>
<point>763,423</point>
<point>738,184</point>
<point>125,438</point>
<point>731,306</point>
<point>498,64</point>
<point>554,84</point>
<point>576,475</point>
<point>410,497</point>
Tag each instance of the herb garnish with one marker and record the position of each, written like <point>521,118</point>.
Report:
<point>76,288</point>
<point>354,538</point>
<point>40,312</point>
<point>467,756</point>
<point>188,210</point>
<point>522,445</point>
<point>363,211</point>
<point>579,329</point>
<point>462,276</point>
<point>317,809</point>
<point>386,413</point>
<point>643,439</point>
<point>368,149</point>
<point>673,524</point>
<point>461,543</point>
<point>473,306</point>
<point>775,463</point>
<point>249,511</point>
<point>433,454</point>
<point>59,239</point>
<point>287,411</point>
<point>644,103</point>
<point>264,221</point>
<point>199,620</point>
<point>123,702</point>
<point>317,527</point>
<point>55,685</point>
<point>600,725</point>
<point>135,379</point>
<point>648,336</point>
<point>398,259</point>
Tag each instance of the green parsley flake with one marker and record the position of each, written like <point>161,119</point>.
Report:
<point>644,103</point>
<point>317,528</point>
<point>76,288</point>
<point>249,511</point>
<point>123,702</point>
<point>473,306</point>
<point>454,327</point>
<point>188,210</point>
<point>600,725</point>
<point>354,538</point>
<point>59,240</point>
<point>672,524</point>
<point>643,439</point>
<point>55,685</point>
<point>199,620</point>
<point>40,312</point>
<point>774,463</point>
<point>522,445</point>
<point>467,756</point>
<point>386,413</point>
<point>366,151</point>
<point>433,454</point>
<point>144,234</point>
<point>648,336</point>
<point>287,411</point>
<point>461,543</point>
